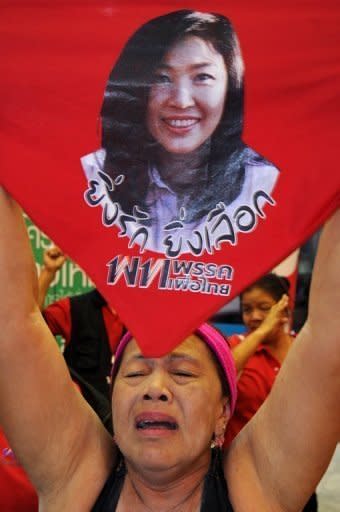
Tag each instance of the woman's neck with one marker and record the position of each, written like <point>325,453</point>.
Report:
<point>181,170</point>
<point>163,493</point>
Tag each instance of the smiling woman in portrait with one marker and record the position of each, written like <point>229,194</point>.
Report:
<point>172,160</point>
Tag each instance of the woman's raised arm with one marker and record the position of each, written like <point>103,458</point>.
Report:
<point>53,432</point>
<point>285,449</point>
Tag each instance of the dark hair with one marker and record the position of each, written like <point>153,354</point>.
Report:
<point>128,145</point>
<point>272,284</point>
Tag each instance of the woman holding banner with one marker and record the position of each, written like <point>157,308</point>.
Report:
<point>173,170</point>
<point>169,413</point>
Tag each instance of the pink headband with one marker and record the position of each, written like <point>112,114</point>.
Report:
<point>215,341</point>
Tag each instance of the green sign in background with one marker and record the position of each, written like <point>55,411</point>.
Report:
<point>70,280</point>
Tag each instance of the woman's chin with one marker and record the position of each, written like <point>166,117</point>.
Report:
<point>155,458</point>
<point>166,458</point>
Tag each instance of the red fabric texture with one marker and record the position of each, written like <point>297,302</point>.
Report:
<point>16,491</point>
<point>253,387</point>
<point>292,77</point>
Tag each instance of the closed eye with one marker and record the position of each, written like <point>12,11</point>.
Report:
<point>183,374</point>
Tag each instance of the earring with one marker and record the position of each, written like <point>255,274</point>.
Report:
<point>213,443</point>
<point>217,441</point>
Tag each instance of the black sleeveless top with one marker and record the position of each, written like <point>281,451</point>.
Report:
<point>89,351</point>
<point>214,497</point>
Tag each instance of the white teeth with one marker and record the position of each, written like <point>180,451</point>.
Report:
<point>181,123</point>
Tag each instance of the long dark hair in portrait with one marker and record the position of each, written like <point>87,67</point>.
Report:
<point>130,148</point>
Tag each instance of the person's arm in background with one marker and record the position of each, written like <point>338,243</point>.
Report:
<point>56,436</point>
<point>57,315</point>
<point>53,260</point>
<point>276,318</point>
<point>282,453</point>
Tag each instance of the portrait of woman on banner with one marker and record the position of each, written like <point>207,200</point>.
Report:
<point>173,173</point>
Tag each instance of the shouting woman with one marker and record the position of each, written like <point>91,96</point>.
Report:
<point>170,412</point>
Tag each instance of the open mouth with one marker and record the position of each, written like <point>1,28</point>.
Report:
<point>156,425</point>
<point>155,421</point>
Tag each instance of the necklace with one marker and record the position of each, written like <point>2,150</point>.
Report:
<point>171,509</point>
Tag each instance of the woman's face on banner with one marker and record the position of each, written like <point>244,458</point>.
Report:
<point>188,95</point>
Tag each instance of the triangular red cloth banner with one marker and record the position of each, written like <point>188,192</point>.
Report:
<point>135,139</point>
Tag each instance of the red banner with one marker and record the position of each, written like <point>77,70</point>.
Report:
<point>175,154</point>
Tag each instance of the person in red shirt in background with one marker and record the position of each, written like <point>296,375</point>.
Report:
<point>58,314</point>
<point>260,353</point>
<point>91,330</point>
